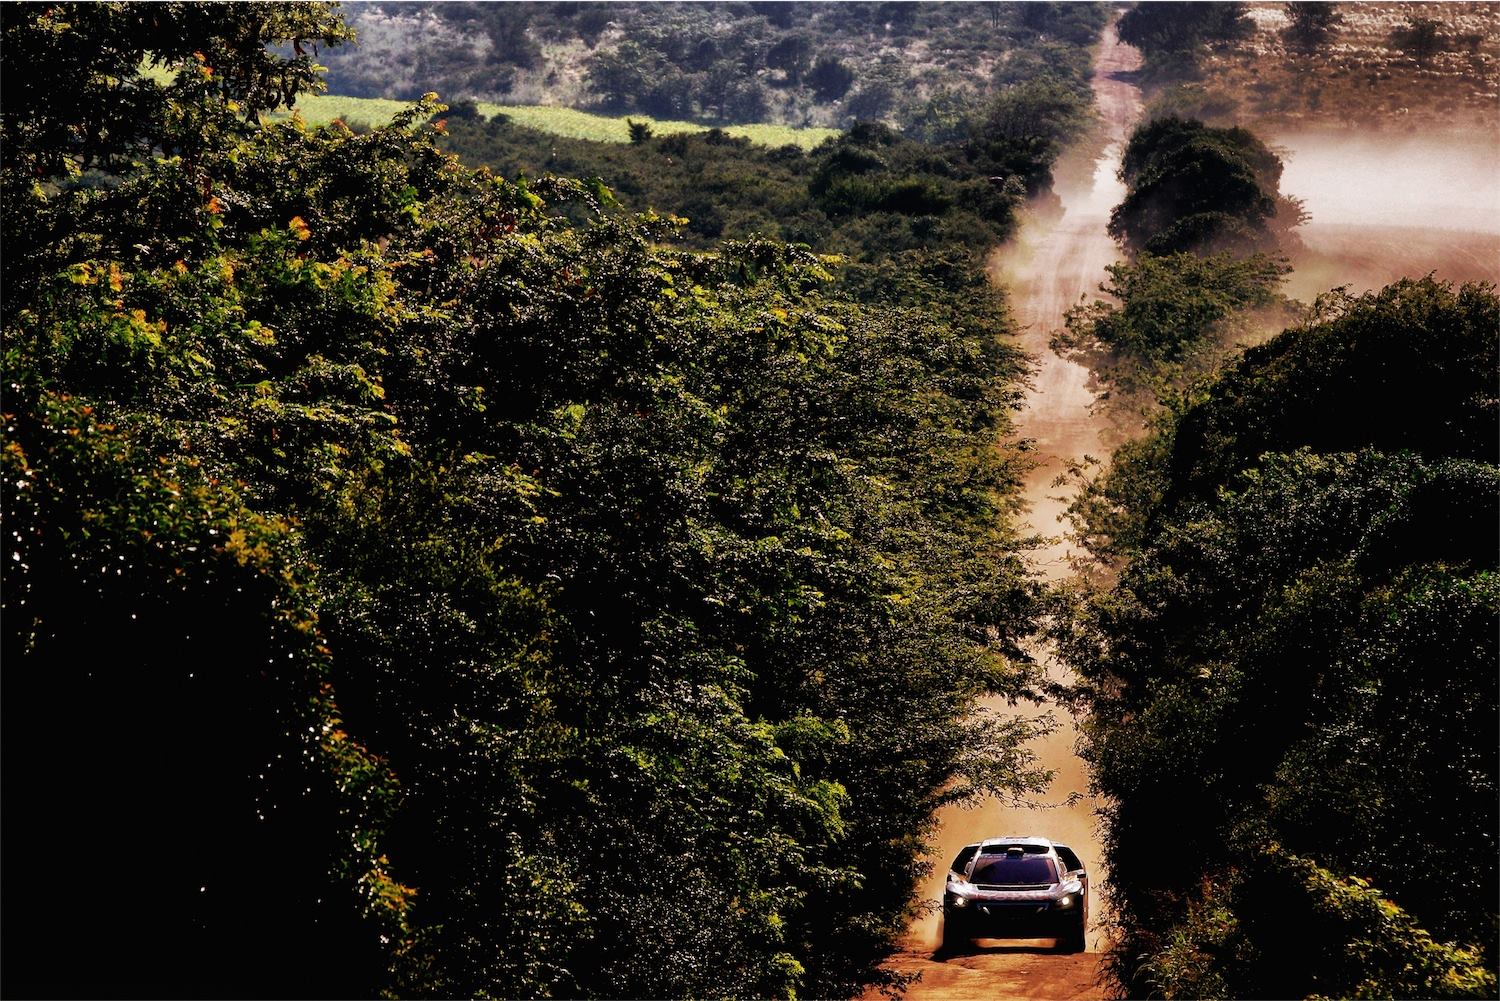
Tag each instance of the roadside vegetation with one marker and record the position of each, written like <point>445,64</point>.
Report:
<point>1289,666</point>
<point>506,592</point>
<point>1205,225</point>
<point>1285,636</point>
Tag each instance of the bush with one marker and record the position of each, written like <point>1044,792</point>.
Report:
<point>1191,187</point>
<point>1178,316</point>
<point>1282,910</point>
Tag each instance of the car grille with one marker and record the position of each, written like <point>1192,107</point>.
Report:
<point>1013,886</point>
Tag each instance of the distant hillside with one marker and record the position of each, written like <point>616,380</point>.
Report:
<point>803,64</point>
<point>1396,67</point>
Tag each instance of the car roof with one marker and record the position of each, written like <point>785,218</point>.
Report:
<point>1018,840</point>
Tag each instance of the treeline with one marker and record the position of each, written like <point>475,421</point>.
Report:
<point>1288,660</point>
<point>795,63</point>
<point>424,583</point>
<point>1291,686</point>
<point>870,193</point>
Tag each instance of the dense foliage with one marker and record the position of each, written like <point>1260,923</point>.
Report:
<point>1203,222</point>
<point>1291,681</point>
<point>796,63</point>
<point>499,601</point>
<point>870,193</point>
<point>1193,187</point>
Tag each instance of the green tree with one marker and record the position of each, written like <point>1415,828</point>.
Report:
<point>1173,318</point>
<point>1171,36</point>
<point>623,77</point>
<point>793,56</point>
<point>640,132</point>
<point>830,78</point>
<point>76,99</point>
<point>1025,126</point>
<point>1191,187</point>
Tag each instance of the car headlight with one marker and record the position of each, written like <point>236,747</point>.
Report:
<point>1066,900</point>
<point>954,900</point>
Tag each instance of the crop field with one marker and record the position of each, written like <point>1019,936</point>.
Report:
<point>323,108</point>
<point>604,128</point>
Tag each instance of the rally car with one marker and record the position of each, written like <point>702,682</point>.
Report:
<point>1016,888</point>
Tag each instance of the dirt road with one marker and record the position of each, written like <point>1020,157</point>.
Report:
<point>1052,263</point>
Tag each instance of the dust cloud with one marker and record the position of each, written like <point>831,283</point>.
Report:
<point>1411,182</point>
<point>1384,207</point>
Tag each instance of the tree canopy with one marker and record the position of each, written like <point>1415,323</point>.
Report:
<point>1171,36</point>
<point>1310,23</point>
<point>499,599</point>
<point>1192,187</point>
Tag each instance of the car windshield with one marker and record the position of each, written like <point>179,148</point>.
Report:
<point>1012,870</point>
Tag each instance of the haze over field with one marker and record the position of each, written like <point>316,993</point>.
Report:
<point>1431,183</point>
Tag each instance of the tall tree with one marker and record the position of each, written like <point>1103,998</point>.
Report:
<point>1311,22</point>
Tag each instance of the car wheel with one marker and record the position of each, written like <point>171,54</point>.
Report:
<point>1074,940</point>
<point>951,939</point>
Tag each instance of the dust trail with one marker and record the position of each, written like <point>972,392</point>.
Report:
<point>1053,262</point>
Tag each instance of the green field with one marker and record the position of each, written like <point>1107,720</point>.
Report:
<point>323,108</point>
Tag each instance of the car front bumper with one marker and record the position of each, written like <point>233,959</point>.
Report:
<point>1030,919</point>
